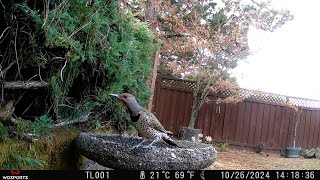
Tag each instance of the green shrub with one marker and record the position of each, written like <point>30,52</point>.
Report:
<point>42,126</point>
<point>3,133</point>
<point>223,146</point>
<point>84,52</point>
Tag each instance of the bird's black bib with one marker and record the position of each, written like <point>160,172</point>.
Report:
<point>135,118</point>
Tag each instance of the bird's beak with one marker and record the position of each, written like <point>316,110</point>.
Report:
<point>114,95</point>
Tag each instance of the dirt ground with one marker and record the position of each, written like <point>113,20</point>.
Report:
<point>232,159</point>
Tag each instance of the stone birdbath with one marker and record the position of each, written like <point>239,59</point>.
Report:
<point>116,152</point>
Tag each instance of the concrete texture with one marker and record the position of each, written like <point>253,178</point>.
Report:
<point>88,164</point>
<point>114,151</point>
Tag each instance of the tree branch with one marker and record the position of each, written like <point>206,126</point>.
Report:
<point>82,119</point>
<point>24,84</point>
<point>172,35</point>
<point>2,73</point>
<point>26,136</point>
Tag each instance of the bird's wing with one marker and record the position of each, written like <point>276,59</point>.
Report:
<point>153,122</point>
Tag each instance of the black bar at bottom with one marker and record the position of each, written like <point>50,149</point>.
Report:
<point>159,174</point>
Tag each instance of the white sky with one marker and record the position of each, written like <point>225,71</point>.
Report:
<point>287,60</point>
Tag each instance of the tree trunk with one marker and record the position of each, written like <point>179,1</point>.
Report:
<point>194,111</point>
<point>295,129</point>
<point>152,9</point>
<point>197,103</point>
<point>194,115</point>
<point>7,111</point>
<point>154,77</point>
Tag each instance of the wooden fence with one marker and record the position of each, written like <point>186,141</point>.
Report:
<point>260,118</point>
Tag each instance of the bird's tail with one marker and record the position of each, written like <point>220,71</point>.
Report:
<point>169,132</point>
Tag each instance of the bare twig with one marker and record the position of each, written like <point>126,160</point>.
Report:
<point>46,7</point>
<point>6,69</point>
<point>58,58</point>
<point>77,30</point>
<point>4,31</point>
<point>2,91</point>
<point>17,101</point>
<point>32,77</point>
<point>39,67</point>
<point>82,119</point>
<point>39,70</point>
<point>57,8</point>
<point>15,48</point>
<point>61,72</point>
<point>29,106</point>
<point>13,120</point>
<point>26,136</point>
<point>64,105</point>
<point>263,6</point>
<point>2,5</point>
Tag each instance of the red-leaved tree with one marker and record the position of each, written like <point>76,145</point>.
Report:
<point>203,40</point>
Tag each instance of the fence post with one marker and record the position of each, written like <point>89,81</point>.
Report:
<point>157,93</point>
<point>154,77</point>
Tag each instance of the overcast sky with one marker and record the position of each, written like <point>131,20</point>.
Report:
<point>287,60</point>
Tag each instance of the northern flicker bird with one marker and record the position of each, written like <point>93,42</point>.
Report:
<point>146,123</point>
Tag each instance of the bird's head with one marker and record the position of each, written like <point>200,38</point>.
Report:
<point>130,101</point>
<point>125,98</point>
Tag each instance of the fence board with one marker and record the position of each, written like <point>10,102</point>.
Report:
<point>240,122</point>
<point>301,128</point>
<point>247,120</point>
<point>259,118</point>
<point>174,109</point>
<point>233,122</point>
<point>265,123</point>
<point>213,121</point>
<point>271,127</point>
<point>253,121</point>
<point>163,101</point>
<point>187,113</point>
<point>226,122</point>
<point>277,134</point>
<point>181,110</point>
<point>317,135</point>
<point>207,120</point>
<point>221,114</point>
<point>291,121</point>
<point>167,108</point>
<point>201,114</point>
<point>282,126</point>
<point>286,138</point>
<point>258,129</point>
<point>307,130</point>
<point>312,132</point>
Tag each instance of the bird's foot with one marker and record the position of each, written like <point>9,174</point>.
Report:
<point>136,146</point>
<point>141,146</point>
<point>150,146</point>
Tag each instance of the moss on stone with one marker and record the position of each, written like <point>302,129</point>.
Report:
<point>55,152</point>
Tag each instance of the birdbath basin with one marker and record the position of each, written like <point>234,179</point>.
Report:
<point>116,152</point>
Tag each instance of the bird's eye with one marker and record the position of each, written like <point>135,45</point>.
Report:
<point>125,96</point>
